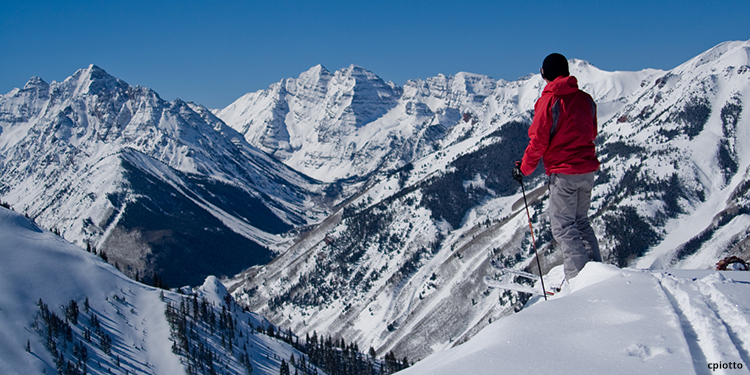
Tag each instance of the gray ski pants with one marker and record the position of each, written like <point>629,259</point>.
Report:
<point>570,199</point>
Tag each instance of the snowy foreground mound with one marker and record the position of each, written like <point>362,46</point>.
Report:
<point>616,321</point>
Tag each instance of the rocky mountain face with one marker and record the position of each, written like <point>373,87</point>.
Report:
<point>399,266</point>
<point>160,188</point>
<point>350,124</point>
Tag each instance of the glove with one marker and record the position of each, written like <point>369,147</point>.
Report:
<point>517,174</point>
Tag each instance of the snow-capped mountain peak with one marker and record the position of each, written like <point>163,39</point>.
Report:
<point>89,155</point>
<point>36,83</point>
<point>732,53</point>
<point>319,122</point>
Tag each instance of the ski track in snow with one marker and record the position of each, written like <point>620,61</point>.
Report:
<point>713,325</point>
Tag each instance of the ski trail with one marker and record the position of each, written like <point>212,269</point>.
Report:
<point>709,338</point>
<point>735,320</point>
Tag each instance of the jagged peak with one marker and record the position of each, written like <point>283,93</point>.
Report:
<point>356,71</point>
<point>93,72</point>
<point>94,80</point>
<point>582,67</point>
<point>471,76</point>
<point>35,83</point>
<point>319,69</point>
<point>95,68</point>
<point>473,83</point>
<point>214,291</point>
<point>580,63</point>
<point>178,104</point>
<point>315,73</point>
<point>357,68</point>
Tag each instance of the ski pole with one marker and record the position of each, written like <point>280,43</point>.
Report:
<point>533,242</point>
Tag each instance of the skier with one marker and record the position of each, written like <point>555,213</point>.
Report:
<point>562,133</point>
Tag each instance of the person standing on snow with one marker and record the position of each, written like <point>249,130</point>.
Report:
<point>562,133</point>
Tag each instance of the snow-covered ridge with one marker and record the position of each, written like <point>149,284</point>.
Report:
<point>350,123</point>
<point>38,266</point>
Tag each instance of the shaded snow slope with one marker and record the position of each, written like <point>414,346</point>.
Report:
<point>36,265</point>
<point>615,321</point>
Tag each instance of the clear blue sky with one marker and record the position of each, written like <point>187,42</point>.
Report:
<point>212,52</point>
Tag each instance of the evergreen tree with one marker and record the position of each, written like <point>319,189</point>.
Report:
<point>284,370</point>
<point>71,312</point>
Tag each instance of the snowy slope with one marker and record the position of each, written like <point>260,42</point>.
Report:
<point>616,321</point>
<point>38,265</point>
<point>678,154</point>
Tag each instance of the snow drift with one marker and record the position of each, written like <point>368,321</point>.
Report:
<point>616,321</point>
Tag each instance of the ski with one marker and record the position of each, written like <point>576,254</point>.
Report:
<point>498,284</point>
<point>509,271</point>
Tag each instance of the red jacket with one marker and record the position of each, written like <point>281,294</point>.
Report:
<point>563,130</point>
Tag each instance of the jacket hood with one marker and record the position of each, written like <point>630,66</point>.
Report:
<point>562,86</point>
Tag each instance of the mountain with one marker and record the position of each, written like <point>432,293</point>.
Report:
<point>163,189</point>
<point>683,140</point>
<point>399,266</point>
<point>64,310</point>
<point>351,124</point>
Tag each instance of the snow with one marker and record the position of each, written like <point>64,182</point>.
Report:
<point>615,321</point>
<point>36,264</point>
<point>83,148</point>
